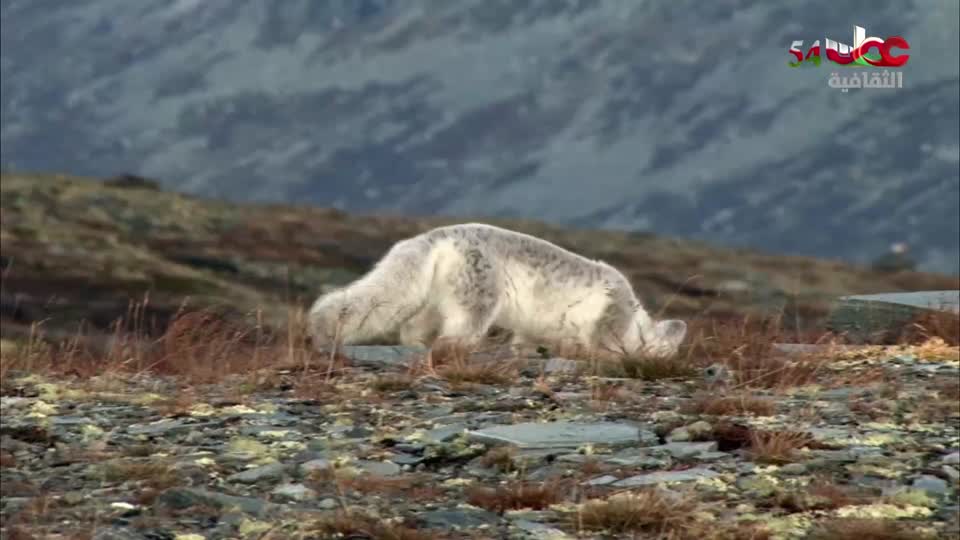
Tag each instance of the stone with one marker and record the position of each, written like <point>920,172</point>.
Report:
<point>759,486</point>
<point>444,433</point>
<point>294,492</point>
<point>328,504</point>
<point>711,456</point>
<point>950,472</point>
<point>314,465</point>
<point>642,461</point>
<point>700,429</point>
<point>601,480</point>
<point>716,374</point>
<point>863,318</point>
<point>649,479</point>
<point>952,459</point>
<point>263,473</point>
<point>184,498</point>
<point>679,434</point>
<point>539,531</point>
<point>794,469</point>
<point>685,450</point>
<point>560,434</point>
<point>560,365</point>
<point>378,468</point>
<point>458,519</point>
<point>931,484</point>
<point>381,355</point>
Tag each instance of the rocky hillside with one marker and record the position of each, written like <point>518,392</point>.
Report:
<point>77,249</point>
<point>679,118</point>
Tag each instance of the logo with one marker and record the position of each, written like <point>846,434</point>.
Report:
<point>866,51</point>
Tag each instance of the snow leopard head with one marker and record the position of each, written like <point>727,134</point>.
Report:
<point>663,338</point>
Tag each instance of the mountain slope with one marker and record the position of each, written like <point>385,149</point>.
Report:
<point>680,118</point>
<point>76,249</point>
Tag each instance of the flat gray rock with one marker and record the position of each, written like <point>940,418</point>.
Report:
<point>269,472</point>
<point>560,434</point>
<point>660,477</point>
<point>937,300</point>
<point>382,355</point>
<point>685,450</point>
<point>560,365</point>
<point>871,317</point>
<point>378,468</point>
<point>931,484</point>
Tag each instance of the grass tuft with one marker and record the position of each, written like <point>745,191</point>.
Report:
<point>516,495</point>
<point>648,511</point>
<point>860,529</point>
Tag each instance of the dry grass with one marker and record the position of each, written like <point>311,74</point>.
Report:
<point>392,383</point>
<point>7,460</point>
<point>516,495</point>
<point>346,524</point>
<point>459,364</point>
<point>739,404</point>
<point>746,347</point>
<point>821,494</point>
<point>648,511</point>
<point>861,529</point>
<point>652,368</point>
<point>197,347</point>
<point>500,458</point>
<point>152,477</point>
<point>412,487</point>
<point>776,447</point>
<point>943,325</point>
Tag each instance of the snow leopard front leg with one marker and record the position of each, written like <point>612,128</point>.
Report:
<point>421,329</point>
<point>471,305</point>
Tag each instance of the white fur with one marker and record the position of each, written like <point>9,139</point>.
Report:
<point>459,281</point>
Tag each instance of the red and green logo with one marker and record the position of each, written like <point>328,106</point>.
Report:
<point>866,51</point>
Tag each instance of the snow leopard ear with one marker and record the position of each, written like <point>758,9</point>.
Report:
<point>672,331</point>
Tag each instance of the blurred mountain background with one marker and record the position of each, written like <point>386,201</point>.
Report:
<point>679,118</point>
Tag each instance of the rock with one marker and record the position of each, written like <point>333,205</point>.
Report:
<point>794,469</point>
<point>863,318</point>
<point>685,450</point>
<point>114,533</point>
<point>931,484</point>
<point>642,461</point>
<point>679,434</point>
<point>560,365</point>
<point>759,486</point>
<point>560,434</point>
<point>263,473</point>
<point>700,429</point>
<point>601,480</point>
<point>716,374</point>
<point>811,348</point>
<point>378,468</point>
<point>444,434</point>
<point>406,459</point>
<point>161,427</point>
<point>294,492</point>
<point>381,355</point>
<point>184,498</point>
<point>951,473</point>
<point>314,465</point>
<point>458,519</point>
<point>539,531</point>
<point>952,459</point>
<point>328,504</point>
<point>658,477</point>
<point>711,456</point>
